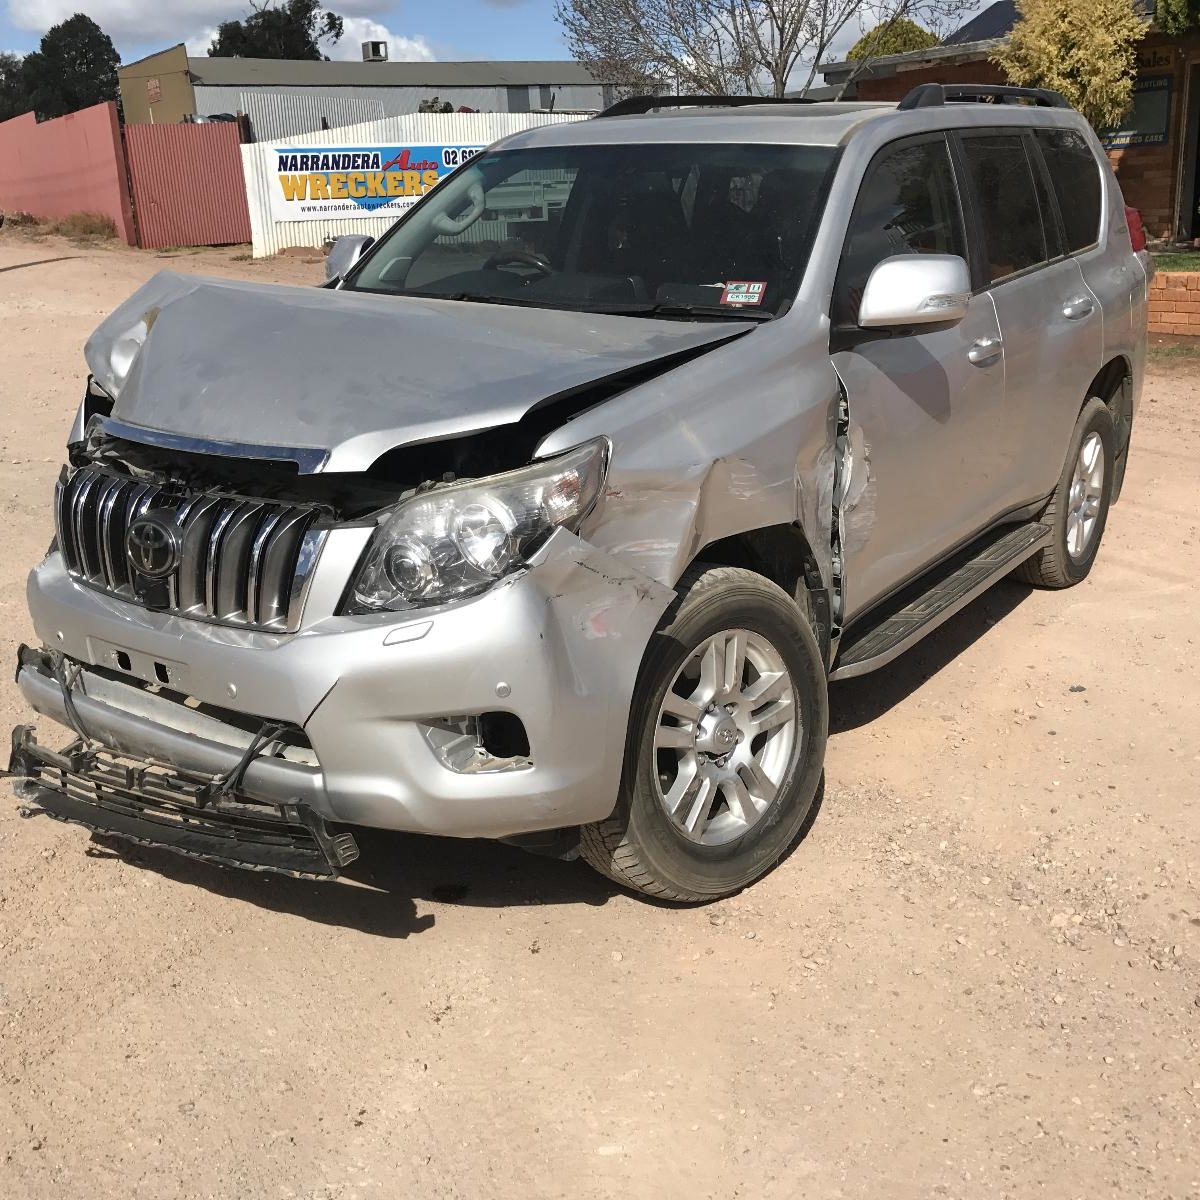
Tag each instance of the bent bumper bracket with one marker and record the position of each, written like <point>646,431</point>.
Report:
<point>145,802</point>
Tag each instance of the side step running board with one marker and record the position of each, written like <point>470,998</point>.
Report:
<point>924,607</point>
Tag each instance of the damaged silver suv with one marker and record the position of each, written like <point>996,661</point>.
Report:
<point>551,516</point>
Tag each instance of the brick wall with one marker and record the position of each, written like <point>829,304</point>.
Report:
<point>1175,302</point>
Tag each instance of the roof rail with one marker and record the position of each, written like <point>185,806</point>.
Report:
<point>634,105</point>
<point>932,95</point>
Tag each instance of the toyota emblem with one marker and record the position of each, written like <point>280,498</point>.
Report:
<point>152,544</point>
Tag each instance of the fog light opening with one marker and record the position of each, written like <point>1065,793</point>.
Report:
<point>502,735</point>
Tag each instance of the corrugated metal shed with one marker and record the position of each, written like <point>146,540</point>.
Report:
<point>398,101</point>
<point>272,72</point>
<point>277,114</point>
<point>452,129</point>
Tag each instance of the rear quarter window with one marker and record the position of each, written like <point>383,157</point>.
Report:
<point>1075,177</point>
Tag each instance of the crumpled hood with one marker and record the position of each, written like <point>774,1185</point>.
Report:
<point>352,374</point>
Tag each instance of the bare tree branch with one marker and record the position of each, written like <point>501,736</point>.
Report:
<point>725,47</point>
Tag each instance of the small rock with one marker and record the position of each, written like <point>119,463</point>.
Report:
<point>617,956</point>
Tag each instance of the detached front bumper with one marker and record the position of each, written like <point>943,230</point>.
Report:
<point>383,702</point>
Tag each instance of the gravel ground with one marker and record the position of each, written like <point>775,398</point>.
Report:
<point>976,977</point>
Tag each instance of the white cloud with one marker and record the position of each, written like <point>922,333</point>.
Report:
<point>194,22</point>
<point>357,30</point>
<point>197,44</point>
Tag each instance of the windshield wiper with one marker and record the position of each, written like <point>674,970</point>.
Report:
<point>713,311</point>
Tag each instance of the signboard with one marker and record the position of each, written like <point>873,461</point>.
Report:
<point>1148,121</point>
<point>153,91</point>
<point>333,183</point>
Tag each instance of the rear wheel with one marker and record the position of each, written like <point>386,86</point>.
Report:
<point>1078,510</point>
<point>726,742</point>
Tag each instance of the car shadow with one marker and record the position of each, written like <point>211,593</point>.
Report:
<point>854,703</point>
<point>379,893</point>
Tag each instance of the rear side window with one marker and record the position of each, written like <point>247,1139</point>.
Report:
<point>1075,176</point>
<point>908,204</point>
<point>1006,199</point>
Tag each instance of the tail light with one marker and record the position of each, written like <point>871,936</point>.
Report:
<point>1137,231</point>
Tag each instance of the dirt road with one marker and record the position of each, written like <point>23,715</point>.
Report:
<point>979,976</point>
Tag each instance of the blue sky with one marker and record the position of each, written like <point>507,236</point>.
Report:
<point>443,29</point>
<point>416,29</point>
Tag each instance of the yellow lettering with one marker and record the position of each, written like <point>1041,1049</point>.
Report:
<point>318,187</point>
<point>430,178</point>
<point>395,184</point>
<point>356,182</point>
<point>412,183</point>
<point>337,186</point>
<point>295,187</point>
<point>376,184</point>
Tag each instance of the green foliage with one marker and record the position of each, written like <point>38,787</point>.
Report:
<point>435,105</point>
<point>898,35</point>
<point>12,87</point>
<point>1177,16</point>
<point>289,29</point>
<point>1085,49</point>
<point>74,67</point>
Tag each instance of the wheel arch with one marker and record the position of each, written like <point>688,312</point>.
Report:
<point>784,555</point>
<point>1113,384</point>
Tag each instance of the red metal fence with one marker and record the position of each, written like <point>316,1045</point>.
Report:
<point>72,164</point>
<point>188,185</point>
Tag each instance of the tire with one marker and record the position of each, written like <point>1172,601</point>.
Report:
<point>1064,562</point>
<point>722,613</point>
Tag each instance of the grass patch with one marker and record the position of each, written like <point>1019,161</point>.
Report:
<point>20,220</point>
<point>1180,351</point>
<point>1184,261</point>
<point>85,227</point>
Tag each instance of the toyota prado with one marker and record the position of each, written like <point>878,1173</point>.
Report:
<point>550,517</point>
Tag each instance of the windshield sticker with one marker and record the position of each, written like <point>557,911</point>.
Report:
<point>741,291</point>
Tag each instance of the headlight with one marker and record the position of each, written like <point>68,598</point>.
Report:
<point>457,540</point>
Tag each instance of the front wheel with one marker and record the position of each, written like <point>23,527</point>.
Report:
<point>726,742</point>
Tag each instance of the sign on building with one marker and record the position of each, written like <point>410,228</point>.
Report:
<point>1149,118</point>
<point>324,183</point>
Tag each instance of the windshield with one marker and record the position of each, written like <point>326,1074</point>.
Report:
<point>696,230</point>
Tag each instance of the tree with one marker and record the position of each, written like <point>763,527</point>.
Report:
<point>898,35</point>
<point>1177,16</point>
<point>288,29</point>
<point>1085,49</point>
<point>74,67</point>
<point>721,46</point>
<point>13,98</point>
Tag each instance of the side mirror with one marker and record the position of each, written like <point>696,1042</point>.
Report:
<point>915,289</point>
<point>344,253</point>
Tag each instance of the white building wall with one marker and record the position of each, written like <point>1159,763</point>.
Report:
<point>450,129</point>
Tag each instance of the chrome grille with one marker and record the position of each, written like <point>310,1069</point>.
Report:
<point>243,561</point>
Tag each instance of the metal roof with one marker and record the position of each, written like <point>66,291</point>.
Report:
<point>273,72</point>
<point>995,21</point>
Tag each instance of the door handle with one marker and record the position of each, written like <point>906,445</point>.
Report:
<point>985,351</point>
<point>1078,307</point>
